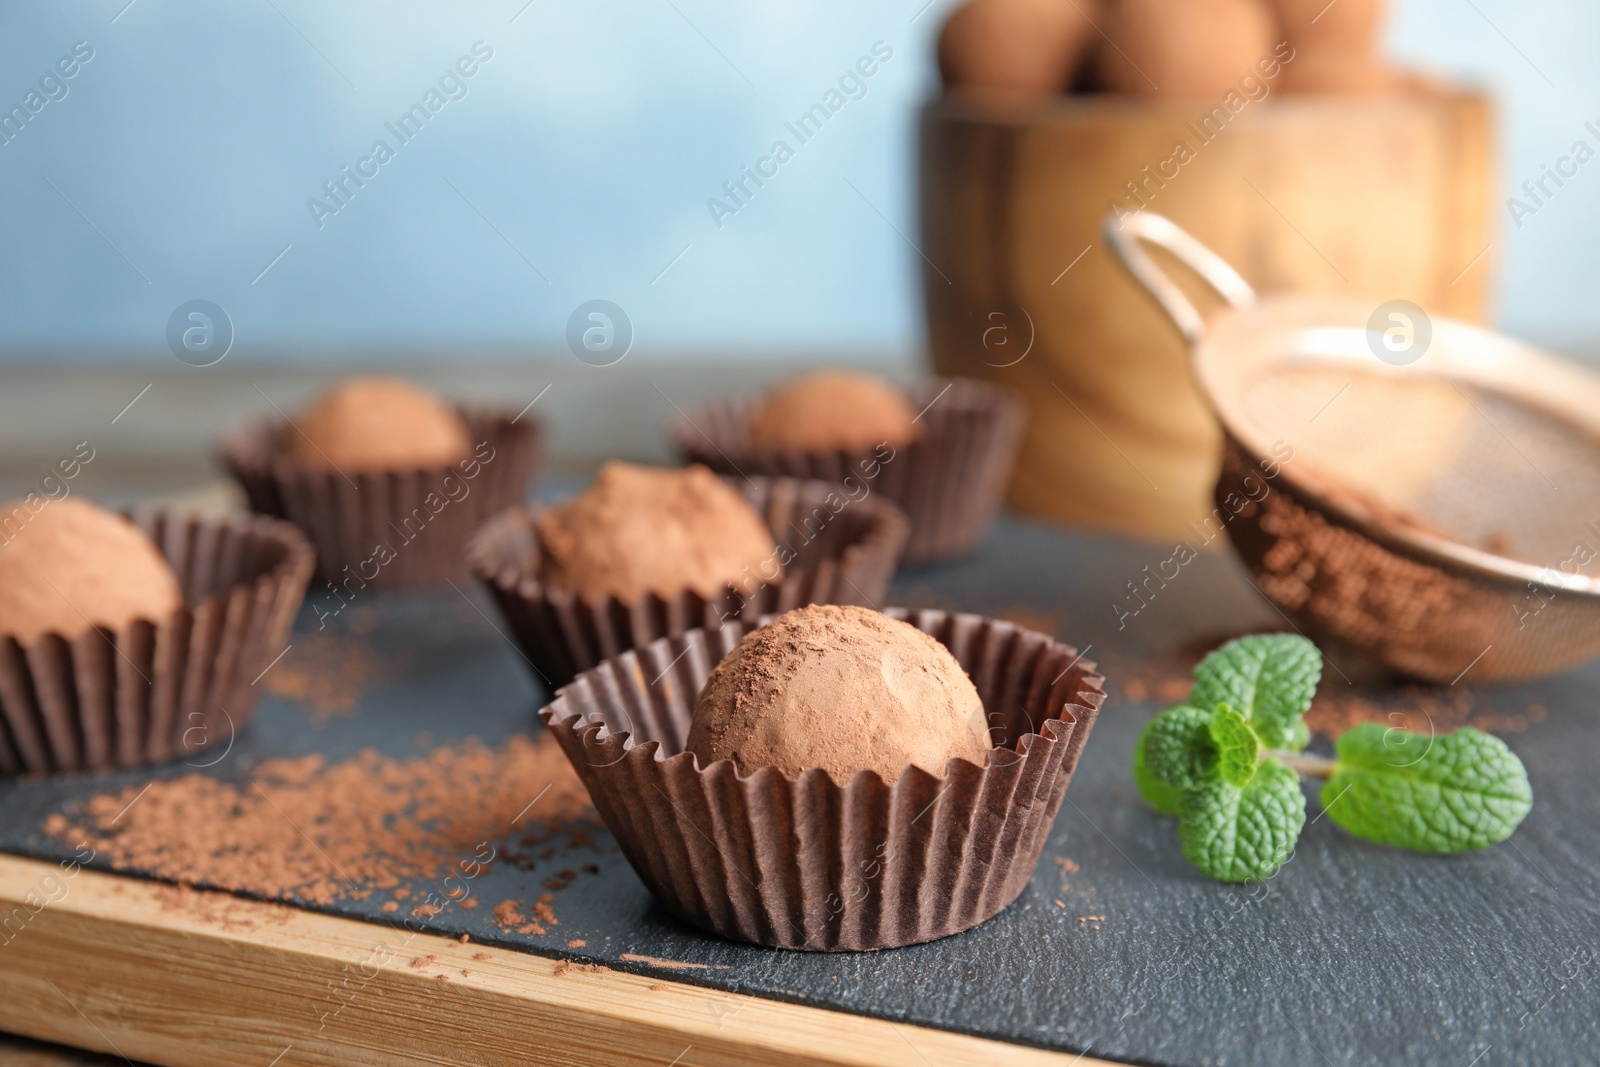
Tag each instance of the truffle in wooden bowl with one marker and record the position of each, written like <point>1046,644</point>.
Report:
<point>386,479</point>
<point>128,642</point>
<point>649,552</point>
<point>941,451</point>
<point>845,780</point>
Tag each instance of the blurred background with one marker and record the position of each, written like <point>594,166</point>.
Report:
<point>578,165</point>
<point>189,156</point>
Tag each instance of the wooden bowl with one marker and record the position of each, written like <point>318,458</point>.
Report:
<point>1383,197</point>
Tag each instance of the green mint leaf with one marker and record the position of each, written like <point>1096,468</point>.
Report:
<point>1452,793</point>
<point>1269,678</point>
<point>1158,794</point>
<point>1178,749</point>
<point>1236,834</point>
<point>1238,747</point>
<point>1299,736</point>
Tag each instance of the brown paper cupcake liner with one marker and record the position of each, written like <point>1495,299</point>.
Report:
<point>949,481</point>
<point>389,529</point>
<point>159,688</point>
<point>844,552</point>
<point>810,864</point>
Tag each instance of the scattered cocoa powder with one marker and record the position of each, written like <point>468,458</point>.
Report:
<point>1171,690</point>
<point>566,966</point>
<point>667,965</point>
<point>577,942</point>
<point>1419,709</point>
<point>482,956</point>
<point>508,915</point>
<point>324,672</point>
<point>307,830</point>
<point>228,912</point>
<point>389,905</point>
<point>1338,706</point>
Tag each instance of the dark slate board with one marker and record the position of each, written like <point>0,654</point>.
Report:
<point>1353,954</point>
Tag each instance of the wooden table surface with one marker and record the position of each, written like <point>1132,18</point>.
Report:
<point>1354,954</point>
<point>153,425</point>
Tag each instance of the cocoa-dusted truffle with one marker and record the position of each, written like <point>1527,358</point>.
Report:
<point>834,409</point>
<point>1030,46</point>
<point>1183,48</point>
<point>639,530</point>
<point>70,565</point>
<point>377,424</point>
<point>845,689</point>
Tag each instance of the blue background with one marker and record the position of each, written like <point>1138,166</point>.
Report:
<point>577,167</point>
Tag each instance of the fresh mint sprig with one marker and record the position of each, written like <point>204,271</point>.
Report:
<point>1228,762</point>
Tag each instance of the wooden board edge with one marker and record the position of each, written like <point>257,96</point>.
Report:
<point>184,977</point>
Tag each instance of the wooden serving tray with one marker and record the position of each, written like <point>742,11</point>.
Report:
<point>1118,949</point>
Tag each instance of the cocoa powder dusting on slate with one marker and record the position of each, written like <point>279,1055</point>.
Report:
<point>304,829</point>
<point>1337,707</point>
<point>324,673</point>
<point>1418,709</point>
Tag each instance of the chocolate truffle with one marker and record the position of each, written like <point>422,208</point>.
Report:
<point>1030,46</point>
<point>377,424</point>
<point>845,689</point>
<point>639,530</point>
<point>1184,48</point>
<point>67,565</point>
<point>1350,27</point>
<point>1336,47</point>
<point>834,409</point>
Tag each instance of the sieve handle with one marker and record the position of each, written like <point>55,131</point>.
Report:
<point>1123,236</point>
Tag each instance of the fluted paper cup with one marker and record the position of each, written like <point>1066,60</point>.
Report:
<point>810,863</point>
<point>390,529</point>
<point>844,552</point>
<point>949,481</point>
<point>157,689</point>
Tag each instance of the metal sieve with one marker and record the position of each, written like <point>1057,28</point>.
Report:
<point>1424,490</point>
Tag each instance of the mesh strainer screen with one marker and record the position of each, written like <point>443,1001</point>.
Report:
<point>1441,516</point>
<point>1464,463</point>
